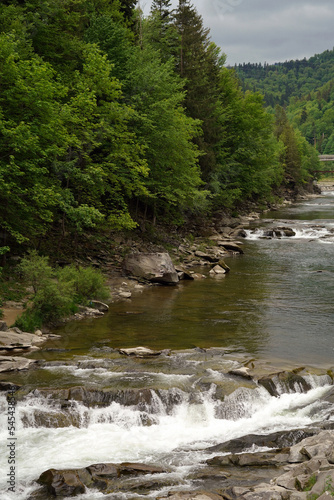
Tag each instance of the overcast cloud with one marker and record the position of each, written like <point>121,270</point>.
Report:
<point>267,30</point>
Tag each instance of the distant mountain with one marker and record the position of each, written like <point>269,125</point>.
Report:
<point>280,82</point>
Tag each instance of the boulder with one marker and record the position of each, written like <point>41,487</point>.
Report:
<point>72,482</point>
<point>217,270</point>
<point>154,267</point>
<point>280,382</point>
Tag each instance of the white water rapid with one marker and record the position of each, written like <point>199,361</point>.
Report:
<point>172,426</point>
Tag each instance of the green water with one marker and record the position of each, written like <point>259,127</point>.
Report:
<point>274,303</point>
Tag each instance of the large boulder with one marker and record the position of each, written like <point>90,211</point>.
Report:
<point>154,267</point>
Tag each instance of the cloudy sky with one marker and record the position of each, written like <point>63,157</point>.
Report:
<point>267,30</point>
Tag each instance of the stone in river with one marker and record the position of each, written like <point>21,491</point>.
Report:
<point>154,267</point>
<point>139,352</point>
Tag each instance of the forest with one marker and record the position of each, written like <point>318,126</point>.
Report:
<point>304,88</point>
<point>109,117</point>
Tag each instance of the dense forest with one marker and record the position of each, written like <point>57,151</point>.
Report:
<point>108,118</point>
<point>304,88</point>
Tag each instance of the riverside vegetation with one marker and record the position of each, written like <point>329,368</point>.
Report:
<point>115,122</point>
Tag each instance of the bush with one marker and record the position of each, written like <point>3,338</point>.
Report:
<point>35,270</point>
<point>56,294</point>
<point>29,321</point>
<point>88,283</point>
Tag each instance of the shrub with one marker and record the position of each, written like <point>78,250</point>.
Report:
<point>56,294</point>
<point>35,270</point>
<point>88,283</point>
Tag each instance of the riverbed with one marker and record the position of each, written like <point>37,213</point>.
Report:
<point>274,311</point>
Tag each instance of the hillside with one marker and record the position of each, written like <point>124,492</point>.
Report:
<point>280,82</point>
<point>313,115</point>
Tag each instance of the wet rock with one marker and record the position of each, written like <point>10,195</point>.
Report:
<point>139,352</point>
<point>243,372</point>
<point>281,439</point>
<point>64,483</point>
<point>125,295</point>
<point>193,495</point>
<point>9,386</point>
<point>154,267</point>
<point>72,482</point>
<point>257,459</point>
<point>278,383</point>
<point>10,363</point>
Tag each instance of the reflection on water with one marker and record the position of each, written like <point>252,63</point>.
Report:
<point>277,301</point>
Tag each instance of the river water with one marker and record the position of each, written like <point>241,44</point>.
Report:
<point>274,309</point>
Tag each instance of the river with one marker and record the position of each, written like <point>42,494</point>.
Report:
<point>274,309</point>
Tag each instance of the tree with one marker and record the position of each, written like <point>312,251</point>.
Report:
<point>198,61</point>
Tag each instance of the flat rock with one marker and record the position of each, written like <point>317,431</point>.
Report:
<point>139,352</point>
<point>231,246</point>
<point>12,339</point>
<point>10,363</point>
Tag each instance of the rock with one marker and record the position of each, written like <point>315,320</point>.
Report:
<point>154,267</point>
<point>243,372</point>
<point>100,306</point>
<point>139,352</point>
<point>231,246</point>
<point>222,264</point>
<point>257,459</point>
<point>64,483</point>
<point>218,270</point>
<point>15,339</point>
<point>72,482</point>
<point>207,256</point>
<point>193,495</point>
<point>281,439</point>
<point>185,275</point>
<point>10,364</point>
<point>125,295</point>
<point>277,383</point>
<point>3,326</point>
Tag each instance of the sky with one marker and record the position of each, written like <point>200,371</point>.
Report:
<point>266,30</point>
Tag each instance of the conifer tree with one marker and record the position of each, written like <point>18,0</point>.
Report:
<point>198,61</point>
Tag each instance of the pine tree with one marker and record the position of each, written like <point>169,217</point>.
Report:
<point>198,61</point>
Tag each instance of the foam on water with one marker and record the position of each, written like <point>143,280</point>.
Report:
<point>116,433</point>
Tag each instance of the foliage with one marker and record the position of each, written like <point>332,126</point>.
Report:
<point>57,293</point>
<point>282,81</point>
<point>35,270</point>
<point>107,118</point>
<point>86,283</point>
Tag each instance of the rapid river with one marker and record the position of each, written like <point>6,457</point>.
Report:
<point>273,310</point>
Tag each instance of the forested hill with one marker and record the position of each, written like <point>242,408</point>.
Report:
<point>109,120</point>
<point>281,81</point>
